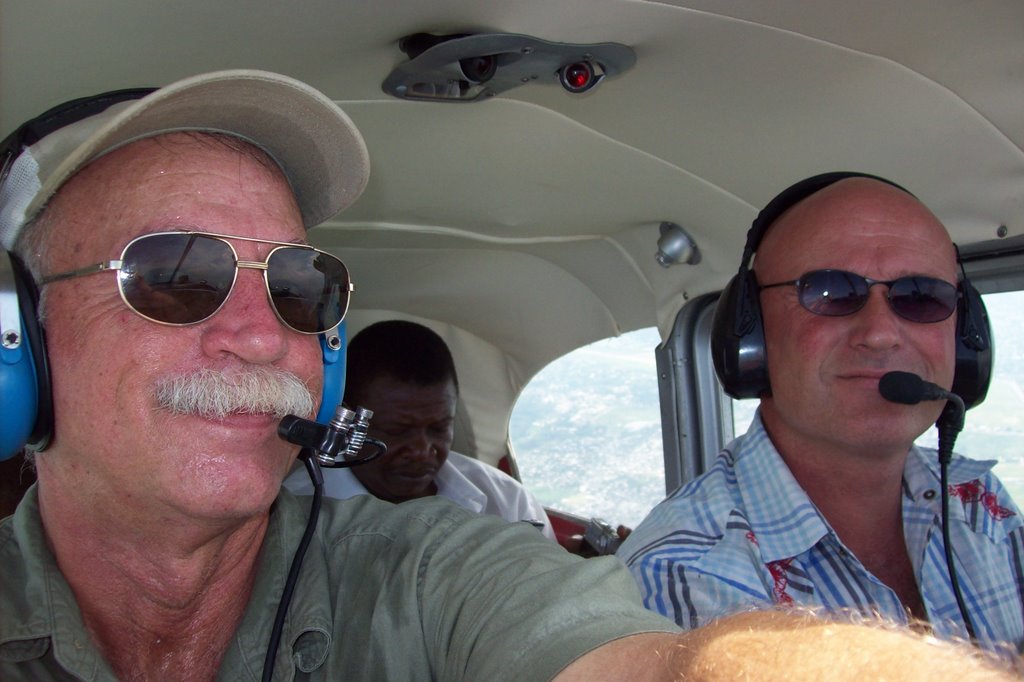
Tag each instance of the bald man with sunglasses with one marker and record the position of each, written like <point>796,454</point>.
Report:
<point>185,314</point>
<point>826,502</point>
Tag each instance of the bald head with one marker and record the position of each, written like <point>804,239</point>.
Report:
<point>859,215</point>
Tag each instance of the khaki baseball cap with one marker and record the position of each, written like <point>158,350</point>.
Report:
<point>315,143</point>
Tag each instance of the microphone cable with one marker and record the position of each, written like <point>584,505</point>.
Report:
<point>308,458</point>
<point>950,422</point>
<point>910,389</point>
<point>335,444</point>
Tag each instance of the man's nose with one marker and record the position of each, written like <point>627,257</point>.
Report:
<point>420,444</point>
<point>878,326</point>
<point>246,325</point>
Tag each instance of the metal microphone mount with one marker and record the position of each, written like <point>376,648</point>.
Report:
<point>339,442</point>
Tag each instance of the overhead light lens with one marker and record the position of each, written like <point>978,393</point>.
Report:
<point>479,69</point>
<point>675,246</point>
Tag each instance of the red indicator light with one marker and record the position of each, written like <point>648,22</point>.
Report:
<point>578,75</point>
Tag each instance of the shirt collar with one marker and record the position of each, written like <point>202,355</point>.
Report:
<point>922,469</point>
<point>783,519</point>
<point>457,487</point>
<point>31,624</point>
<point>921,477</point>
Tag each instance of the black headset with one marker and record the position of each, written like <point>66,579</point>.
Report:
<point>737,335</point>
<point>27,419</point>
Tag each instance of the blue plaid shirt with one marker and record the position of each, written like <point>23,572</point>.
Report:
<point>746,533</point>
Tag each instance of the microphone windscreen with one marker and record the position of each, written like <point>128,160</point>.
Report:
<point>902,387</point>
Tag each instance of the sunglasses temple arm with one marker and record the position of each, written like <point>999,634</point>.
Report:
<point>90,270</point>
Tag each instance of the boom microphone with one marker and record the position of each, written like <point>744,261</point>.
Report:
<point>910,389</point>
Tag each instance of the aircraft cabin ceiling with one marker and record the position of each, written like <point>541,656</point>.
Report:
<point>527,222</point>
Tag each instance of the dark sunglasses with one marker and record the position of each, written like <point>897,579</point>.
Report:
<point>835,293</point>
<point>181,278</point>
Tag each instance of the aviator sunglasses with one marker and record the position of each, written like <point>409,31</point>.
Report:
<point>835,293</point>
<point>182,278</point>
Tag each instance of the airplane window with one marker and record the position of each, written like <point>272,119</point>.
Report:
<point>586,431</point>
<point>994,429</point>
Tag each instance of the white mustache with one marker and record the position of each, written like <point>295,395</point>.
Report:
<point>253,390</point>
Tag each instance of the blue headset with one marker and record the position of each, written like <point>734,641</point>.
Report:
<point>334,343</point>
<point>27,419</point>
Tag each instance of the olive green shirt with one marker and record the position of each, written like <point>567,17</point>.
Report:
<point>417,591</point>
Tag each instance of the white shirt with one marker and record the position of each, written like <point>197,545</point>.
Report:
<point>467,482</point>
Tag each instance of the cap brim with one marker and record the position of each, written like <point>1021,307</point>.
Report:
<point>316,144</point>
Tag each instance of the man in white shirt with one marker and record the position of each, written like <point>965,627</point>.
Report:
<point>404,372</point>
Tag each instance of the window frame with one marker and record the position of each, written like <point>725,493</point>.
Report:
<point>695,413</point>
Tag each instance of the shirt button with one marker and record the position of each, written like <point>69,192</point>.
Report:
<point>929,494</point>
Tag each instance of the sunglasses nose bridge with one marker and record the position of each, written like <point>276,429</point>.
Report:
<point>261,267</point>
<point>894,306</point>
<point>883,298</point>
<point>252,265</point>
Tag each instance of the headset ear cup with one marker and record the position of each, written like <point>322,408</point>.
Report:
<point>27,419</point>
<point>974,347</point>
<point>737,339</point>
